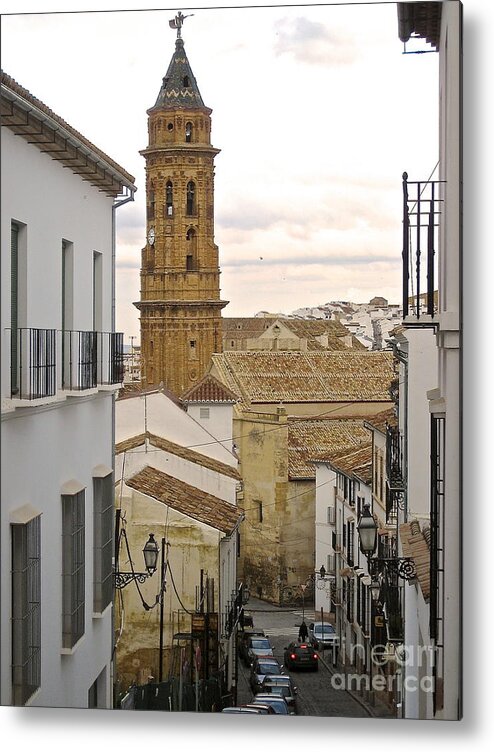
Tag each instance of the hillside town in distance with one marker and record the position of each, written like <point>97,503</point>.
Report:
<point>239,515</point>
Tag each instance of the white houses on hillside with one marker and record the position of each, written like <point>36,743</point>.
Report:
<point>61,363</point>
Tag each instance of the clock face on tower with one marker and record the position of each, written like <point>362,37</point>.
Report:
<point>151,236</point>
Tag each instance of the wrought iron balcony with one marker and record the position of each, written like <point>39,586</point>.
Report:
<point>33,363</point>
<point>421,213</point>
<point>83,360</point>
<point>110,365</point>
<point>394,459</point>
<point>79,360</point>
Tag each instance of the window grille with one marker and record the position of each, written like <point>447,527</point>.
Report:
<point>26,610</point>
<point>73,567</point>
<point>102,542</point>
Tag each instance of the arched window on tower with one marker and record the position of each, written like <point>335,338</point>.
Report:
<point>151,204</point>
<point>169,198</point>
<point>191,255</point>
<point>186,82</point>
<point>188,133</point>
<point>191,198</point>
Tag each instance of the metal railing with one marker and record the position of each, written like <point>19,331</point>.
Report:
<point>110,366</point>
<point>79,364</point>
<point>421,212</point>
<point>394,458</point>
<point>33,368</point>
<point>85,359</point>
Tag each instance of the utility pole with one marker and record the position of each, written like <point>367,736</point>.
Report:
<point>162,609</point>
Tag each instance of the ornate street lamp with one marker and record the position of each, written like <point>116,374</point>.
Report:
<point>403,567</point>
<point>367,532</point>
<point>150,552</point>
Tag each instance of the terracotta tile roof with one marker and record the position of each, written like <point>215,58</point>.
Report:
<point>334,330</point>
<point>131,443</point>
<point>379,421</point>
<point>284,377</point>
<point>179,451</point>
<point>27,116</point>
<point>414,544</point>
<point>193,456</point>
<point>209,389</point>
<point>252,328</point>
<point>357,461</point>
<point>129,391</point>
<point>318,439</point>
<point>245,327</point>
<point>187,499</point>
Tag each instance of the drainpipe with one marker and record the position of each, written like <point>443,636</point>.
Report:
<point>115,206</point>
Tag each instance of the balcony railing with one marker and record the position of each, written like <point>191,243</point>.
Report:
<point>83,361</point>
<point>110,358</point>
<point>394,459</point>
<point>79,363</point>
<point>421,212</point>
<point>33,372</point>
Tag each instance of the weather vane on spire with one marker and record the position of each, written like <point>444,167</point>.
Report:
<point>178,22</point>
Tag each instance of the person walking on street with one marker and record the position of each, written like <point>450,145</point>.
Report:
<point>303,632</point>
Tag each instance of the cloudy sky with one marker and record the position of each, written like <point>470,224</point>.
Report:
<point>314,110</point>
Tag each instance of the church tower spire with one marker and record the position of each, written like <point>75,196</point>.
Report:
<point>180,306</point>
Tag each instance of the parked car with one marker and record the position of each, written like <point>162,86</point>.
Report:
<point>276,701</point>
<point>300,655</point>
<point>263,709</point>
<point>242,709</point>
<point>262,666</point>
<point>244,642</point>
<point>280,685</point>
<point>322,635</point>
<point>257,646</point>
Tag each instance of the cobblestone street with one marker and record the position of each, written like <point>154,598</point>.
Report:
<point>316,696</point>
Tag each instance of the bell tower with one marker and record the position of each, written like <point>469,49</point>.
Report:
<point>180,306</point>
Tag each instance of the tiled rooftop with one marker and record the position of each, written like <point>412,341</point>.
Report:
<point>252,328</point>
<point>319,439</point>
<point>357,461</point>
<point>187,499</point>
<point>284,377</point>
<point>382,419</point>
<point>179,451</point>
<point>209,389</point>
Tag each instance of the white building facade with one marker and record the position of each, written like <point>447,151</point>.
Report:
<point>61,363</point>
<point>193,507</point>
<point>435,446</point>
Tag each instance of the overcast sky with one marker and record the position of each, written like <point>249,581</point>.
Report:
<point>315,111</point>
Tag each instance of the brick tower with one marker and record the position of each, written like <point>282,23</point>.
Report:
<point>180,306</point>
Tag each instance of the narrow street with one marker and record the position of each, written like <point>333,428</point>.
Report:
<point>316,696</point>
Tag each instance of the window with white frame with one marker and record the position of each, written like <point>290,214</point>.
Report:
<point>73,567</point>
<point>102,539</point>
<point>26,609</point>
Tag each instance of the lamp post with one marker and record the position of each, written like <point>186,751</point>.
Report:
<point>150,552</point>
<point>402,567</point>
